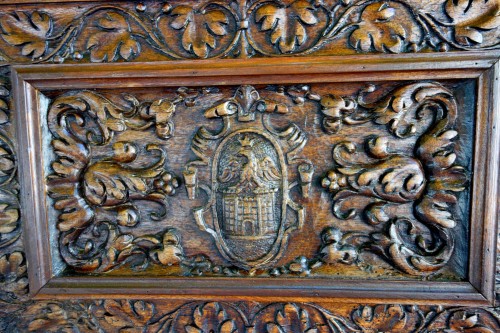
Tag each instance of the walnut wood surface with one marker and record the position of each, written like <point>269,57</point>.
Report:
<point>115,31</point>
<point>382,168</point>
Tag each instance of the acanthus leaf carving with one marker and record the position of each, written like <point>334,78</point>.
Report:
<point>388,318</point>
<point>199,316</point>
<point>4,100</point>
<point>122,315</point>
<point>211,317</point>
<point>297,317</point>
<point>205,29</point>
<point>200,28</point>
<point>114,39</point>
<point>13,277</point>
<point>286,23</point>
<point>10,223</point>
<point>8,218</point>
<point>28,31</point>
<point>81,186</point>
<point>386,27</point>
<point>112,182</point>
<point>336,109</point>
<point>463,320</point>
<point>335,247</point>
<point>54,316</point>
<point>401,111</point>
<point>471,17</point>
<point>369,179</point>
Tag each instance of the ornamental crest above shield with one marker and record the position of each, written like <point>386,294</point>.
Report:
<point>249,211</point>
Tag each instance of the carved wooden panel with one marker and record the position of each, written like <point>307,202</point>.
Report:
<point>343,189</point>
<point>329,181</point>
<point>116,31</point>
<point>243,176</point>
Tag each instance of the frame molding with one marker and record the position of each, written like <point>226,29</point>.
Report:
<point>429,40</point>
<point>31,80</point>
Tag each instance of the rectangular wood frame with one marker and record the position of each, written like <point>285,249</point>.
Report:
<point>32,80</point>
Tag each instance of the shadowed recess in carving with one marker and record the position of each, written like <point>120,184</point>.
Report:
<point>259,156</point>
<point>369,178</point>
<point>215,29</point>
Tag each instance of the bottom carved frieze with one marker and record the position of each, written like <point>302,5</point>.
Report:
<point>224,317</point>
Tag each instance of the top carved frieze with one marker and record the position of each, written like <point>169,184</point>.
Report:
<point>245,28</point>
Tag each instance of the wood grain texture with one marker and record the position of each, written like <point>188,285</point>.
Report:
<point>120,31</point>
<point>427,33</point>
<point>158,316</point>
<point>408,127</point>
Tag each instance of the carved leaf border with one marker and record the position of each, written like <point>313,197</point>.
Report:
<point>216,29</point>
<point>18,315</point>
<point>13,276</point>
<point>208,316</point>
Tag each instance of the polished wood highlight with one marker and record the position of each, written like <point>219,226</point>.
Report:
<point>249,166</point>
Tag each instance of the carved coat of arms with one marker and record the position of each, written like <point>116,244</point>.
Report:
<point>249,211</point>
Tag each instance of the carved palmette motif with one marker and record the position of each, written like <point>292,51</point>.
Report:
<point>249,197</point>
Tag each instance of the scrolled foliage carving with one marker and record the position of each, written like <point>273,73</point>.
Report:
<point>198,316</point>
<point>369,178</point>
<point>249,28</point>
<point>13,266</point>
<point>82,186</point>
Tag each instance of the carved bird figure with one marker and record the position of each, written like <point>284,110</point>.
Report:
<point>254,172</point>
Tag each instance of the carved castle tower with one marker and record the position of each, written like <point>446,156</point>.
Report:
<point>249,206</point>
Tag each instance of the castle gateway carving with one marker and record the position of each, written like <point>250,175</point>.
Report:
<point>249,194</point>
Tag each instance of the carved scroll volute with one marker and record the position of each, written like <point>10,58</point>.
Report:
<point>81,186</point>
<point>248,190</point>
<point>382,179</point>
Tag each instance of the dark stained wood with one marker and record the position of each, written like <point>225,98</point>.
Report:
<point>334,114</point>
<point>148,31</point>
<point>358,142</point>
<point>484,273</point>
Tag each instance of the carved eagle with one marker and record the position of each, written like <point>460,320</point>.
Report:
<point>254,171</point>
